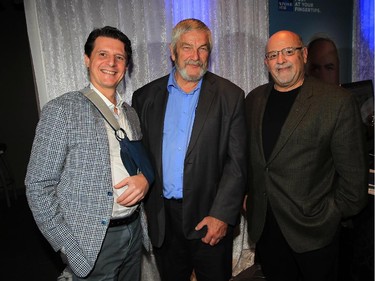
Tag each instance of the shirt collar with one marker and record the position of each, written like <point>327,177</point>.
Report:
<point>119,99</point>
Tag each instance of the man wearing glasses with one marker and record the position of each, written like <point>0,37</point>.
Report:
<point>307,166</point>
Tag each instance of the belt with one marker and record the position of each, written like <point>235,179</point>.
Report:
<point>126,220</point>
<point>177,200</point>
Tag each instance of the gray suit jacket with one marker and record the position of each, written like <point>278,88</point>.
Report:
<point>68,183</point>
<point>317,172</point>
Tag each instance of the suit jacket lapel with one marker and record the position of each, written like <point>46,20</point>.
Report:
<point>206,97</point>
<point>298,110</point>
<point>158,109</point>
<point>261,106</point>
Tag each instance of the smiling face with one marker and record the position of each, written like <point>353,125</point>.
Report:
<point>286,71</point>
<point>191,55</point>
<point>107,65</point>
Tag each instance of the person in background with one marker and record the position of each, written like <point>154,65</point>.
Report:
<point>323,63</point>
<point>307,166</point>
<point>323,60</point>
<point>81,196</point>
<point>193,123</point>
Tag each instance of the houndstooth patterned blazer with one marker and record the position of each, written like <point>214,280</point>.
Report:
<point>68,182</point>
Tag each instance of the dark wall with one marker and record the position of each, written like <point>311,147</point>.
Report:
<point>18,107</point>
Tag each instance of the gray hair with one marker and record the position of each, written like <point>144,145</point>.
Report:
<point>186,26</point>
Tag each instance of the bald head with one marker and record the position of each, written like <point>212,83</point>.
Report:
<point>285,59</point>
<point>284,37</point>
<point>323,61</point>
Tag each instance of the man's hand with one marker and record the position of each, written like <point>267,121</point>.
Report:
<point>136,191</point>
<point>244,203</point>
<point>216,230</point>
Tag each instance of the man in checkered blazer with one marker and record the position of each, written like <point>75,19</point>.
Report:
<point>81,195</point>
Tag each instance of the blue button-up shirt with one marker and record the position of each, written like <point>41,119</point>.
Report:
<point>178,124</point>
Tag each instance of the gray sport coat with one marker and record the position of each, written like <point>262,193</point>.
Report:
<point>317,172</point>
<point>68,183</point>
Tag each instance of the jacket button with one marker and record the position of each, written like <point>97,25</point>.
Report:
<point>109,193</point>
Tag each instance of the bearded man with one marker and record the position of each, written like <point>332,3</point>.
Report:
<point>193,125</point>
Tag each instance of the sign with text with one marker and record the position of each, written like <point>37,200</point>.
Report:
<point>302,6</point>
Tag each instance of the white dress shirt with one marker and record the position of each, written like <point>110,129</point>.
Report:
<point>117,167</point>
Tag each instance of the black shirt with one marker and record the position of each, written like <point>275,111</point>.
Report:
<point>276,112</point>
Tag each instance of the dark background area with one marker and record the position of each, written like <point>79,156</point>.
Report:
<point>24,253</point>
<point>18,106</point>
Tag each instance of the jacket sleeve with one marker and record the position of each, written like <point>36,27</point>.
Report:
<point>43,174</point>
<point>231,188</point>
<point>350,159</point>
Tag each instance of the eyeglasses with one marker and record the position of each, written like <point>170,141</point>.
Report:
<point>289,51</point>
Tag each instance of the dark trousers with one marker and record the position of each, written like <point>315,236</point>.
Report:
<point>120,256</point>
<point>280,263</point>
<point>178,256</point>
